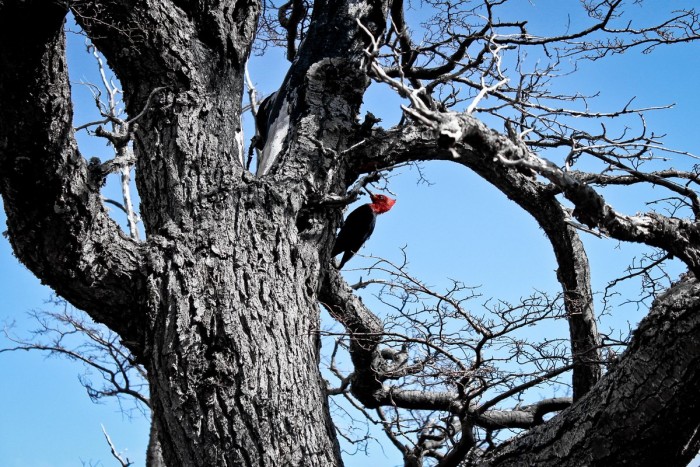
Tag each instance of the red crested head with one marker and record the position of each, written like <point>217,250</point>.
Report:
<point>380,203</point>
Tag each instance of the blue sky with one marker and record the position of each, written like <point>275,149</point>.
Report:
<point>457,227</point>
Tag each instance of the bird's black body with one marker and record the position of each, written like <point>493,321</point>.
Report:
<point>355,231</point>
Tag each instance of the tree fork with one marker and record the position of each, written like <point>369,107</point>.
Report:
<point>45,182</point>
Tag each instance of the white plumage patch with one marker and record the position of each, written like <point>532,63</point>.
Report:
<point>275,140</point>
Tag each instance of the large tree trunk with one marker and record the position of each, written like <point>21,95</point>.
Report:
<point>220,303</point>
<point>234,362</point>
<point>222,310</point>
<point>232,346</point>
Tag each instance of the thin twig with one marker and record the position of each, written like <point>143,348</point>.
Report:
<point>115,454</point>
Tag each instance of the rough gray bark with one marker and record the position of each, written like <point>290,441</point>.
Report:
<point>45,184</point>
<point>220,304</point>
<point>233,356</point>
<point>227,353</point>
<point>630,418</point>
<point>154,453</point>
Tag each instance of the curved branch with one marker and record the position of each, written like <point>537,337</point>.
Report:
<point>605,19</point>
<point>412,143</point>
<point>290,15</point>
<point>523,417</point>
<point>365,331</point>
<point>495,156</point>
<point>57,224</point>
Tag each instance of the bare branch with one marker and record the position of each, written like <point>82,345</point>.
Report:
<point>123,462</point>
<point>100,351</point>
